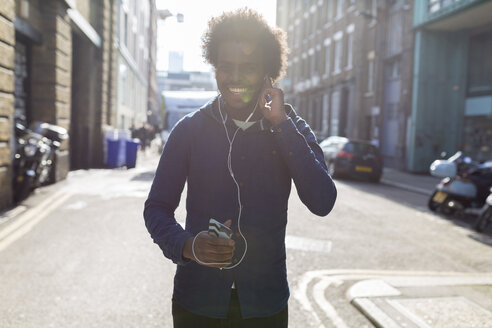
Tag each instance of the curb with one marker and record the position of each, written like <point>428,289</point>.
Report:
<point>372,296</point>
<point>407,187</point>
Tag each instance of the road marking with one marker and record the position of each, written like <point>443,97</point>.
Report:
<point>31,218</point>
<point>308,244</point>
<point>12,213</point>
<point>301,294</point>
<point>395,278</point>
<point>319,296</point>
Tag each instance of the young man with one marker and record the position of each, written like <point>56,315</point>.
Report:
<point>238,155</point>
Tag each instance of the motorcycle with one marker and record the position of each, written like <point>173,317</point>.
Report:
<point>464,186</point>
<point>486,214</point>
<point>35,156</point>
<point>53,136</point>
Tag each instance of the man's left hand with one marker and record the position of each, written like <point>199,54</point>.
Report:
<point>273,110</point>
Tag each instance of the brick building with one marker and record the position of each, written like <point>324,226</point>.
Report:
<point>58,64</point>
<point>344,72</point>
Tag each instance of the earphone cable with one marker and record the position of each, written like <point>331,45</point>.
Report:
<point>231,173</point>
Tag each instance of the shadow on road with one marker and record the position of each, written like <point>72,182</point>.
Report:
<point>416,201</point>
<point>145,176</point>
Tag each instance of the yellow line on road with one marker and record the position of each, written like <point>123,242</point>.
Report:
<point>31,218</point>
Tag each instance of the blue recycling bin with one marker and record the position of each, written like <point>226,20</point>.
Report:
<point>131,153</point>
<point>116,153</point>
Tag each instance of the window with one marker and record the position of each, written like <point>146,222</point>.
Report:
<point>305,67</point>
<point>313,21</point>
<point>312,60</point>
<point>340,5</point>
<point>125,29</point>
<point>298,32</point>
<point>480,65</point>
<point>319,60</point>
<point>374,8</point>
<point>327,5</point>
<point>327,59</point>
<point>335,105</point>
<point>393,70</point>
<point>338,56</point>
<point>370,76</point>
<point>350,45</point>
<point>394,34</point>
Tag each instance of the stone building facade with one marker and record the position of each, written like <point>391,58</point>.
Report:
<point>7,55</point>
<point>59,64</point>
<point>135,43</point>
<point>339,77</point>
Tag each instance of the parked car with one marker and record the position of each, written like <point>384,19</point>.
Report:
<point>357,158</point>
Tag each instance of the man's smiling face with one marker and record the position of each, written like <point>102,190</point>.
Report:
<point>239,74</point>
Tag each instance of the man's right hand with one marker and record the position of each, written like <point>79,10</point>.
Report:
<point>210,249</point>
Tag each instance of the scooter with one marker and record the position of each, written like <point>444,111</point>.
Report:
<point>28,154</point>
<point>35,156</point>
<point>53,136</point>
<point>464,186</point>
<point>486,215</point>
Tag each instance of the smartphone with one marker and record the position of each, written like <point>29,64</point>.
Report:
<point>268,98</point>
<point>218,229</point>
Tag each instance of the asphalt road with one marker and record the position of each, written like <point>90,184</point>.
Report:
<point>77,254</point>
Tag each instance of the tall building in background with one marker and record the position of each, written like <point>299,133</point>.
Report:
<point>154,116</point>
<point>175,62</point>
<point>135,41</point>
<point>413,76</point>
<point>452,89</point>
<point>344,73</point>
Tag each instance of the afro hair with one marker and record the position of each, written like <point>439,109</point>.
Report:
<point>247,25</point>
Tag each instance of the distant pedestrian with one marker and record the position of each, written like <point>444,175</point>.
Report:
<point>142,134</point>
<point>238,155</point>
<point>133,131</point>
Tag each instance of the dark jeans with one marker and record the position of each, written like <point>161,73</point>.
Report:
<point>185,319</point>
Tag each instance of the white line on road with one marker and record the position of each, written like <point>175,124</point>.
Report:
<point>395,278</point>
<point>319,296</point>
<point>31,218</point>
<point>307,244</point>
<point>301,294</point>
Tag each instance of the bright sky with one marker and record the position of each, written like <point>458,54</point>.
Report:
<point>186,36</point>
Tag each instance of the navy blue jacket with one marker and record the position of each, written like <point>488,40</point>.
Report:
<point>264,160</point>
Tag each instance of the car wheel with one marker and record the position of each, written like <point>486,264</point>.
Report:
<point>332,170</point>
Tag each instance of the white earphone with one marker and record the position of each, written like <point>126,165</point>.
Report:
<point>229,166</point>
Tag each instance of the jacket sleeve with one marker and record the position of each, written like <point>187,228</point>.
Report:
<point>165,194</point>
<point>306,163</point>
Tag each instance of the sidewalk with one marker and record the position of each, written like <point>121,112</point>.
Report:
<point>437,301</point>
<point>419,183</point>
